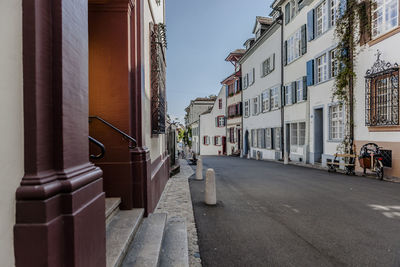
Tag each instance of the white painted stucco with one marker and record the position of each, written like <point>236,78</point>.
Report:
<point>320,95</point>
<point>265,47</point>
<point>365,60</point>
<point>208,126</point>
<point>293,71</point>
<point>11,117</point>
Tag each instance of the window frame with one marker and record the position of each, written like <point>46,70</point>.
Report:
<point>339,119</point>
<point>323,67</point>
<point>374,8</point>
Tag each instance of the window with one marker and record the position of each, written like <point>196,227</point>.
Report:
<point>246,81</point>
<point>287,13</point>
<point>322,68</point>
<point>299,90</point>
<point>277,141</point>
<point>382,98</point>
<point>206,140</point>
<point>384,16</point>
<point>321,19</point>
<point>293,134</point>
<point>334,64</point>
<point>334,11</point>
<point>265,101</point>
<point>275,98</point>
<point>220,103</point>
<point>217,140</point>
<point>294,46</point>
<point>259,138</point>
<point>232,135</point>
<point>298,134</point>
<point>251,76</point>
<point>268,65</point>
<point>336,122</point>
<point>302,133</point>
<point>293,7</point>
<point>258,33</point>
<point>247,108</point>
<point>255,106</point>
<point>220,121</point>
<point>253,138</point>
<point>268,142</point>
<point>288,94</point>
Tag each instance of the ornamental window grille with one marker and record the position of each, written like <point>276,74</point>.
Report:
<point>158,74</point>
<point>382,94</point>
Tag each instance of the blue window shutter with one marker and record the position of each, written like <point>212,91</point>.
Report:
<point>342,7</point>
<point>226,90</point>
<point>310,72</point>
<point>310,25</point>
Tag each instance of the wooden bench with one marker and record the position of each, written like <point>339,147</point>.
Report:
<point>348,164</point>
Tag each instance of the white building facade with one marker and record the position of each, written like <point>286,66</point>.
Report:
<point>376,108</point>
<point>262,93</point>
<point>213,127</point>
<point>295,98</point>
<point>327,115</point>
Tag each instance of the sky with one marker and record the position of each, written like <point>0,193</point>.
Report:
<point>200,35</point>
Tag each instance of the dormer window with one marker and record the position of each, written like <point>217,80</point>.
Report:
<point>258,33</point>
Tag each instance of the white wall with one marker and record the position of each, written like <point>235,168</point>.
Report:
<point>365,60</point>
<point>267,45</point>
<point>208,127</point>
<point>11,117</point>
<point>320,95</point>
<point>293,71</point>
<point>156,143</point>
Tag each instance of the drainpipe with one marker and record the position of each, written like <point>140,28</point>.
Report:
<point>241,100</point>
<point>199,136</point>
<point>285,156</point>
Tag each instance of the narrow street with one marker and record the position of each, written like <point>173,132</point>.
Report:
<point>269,214</point>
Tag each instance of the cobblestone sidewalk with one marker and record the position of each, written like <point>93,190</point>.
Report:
<point>176,201</point>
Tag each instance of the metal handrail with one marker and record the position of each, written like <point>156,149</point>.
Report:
<point>125,135</point>
<point>102,148</point>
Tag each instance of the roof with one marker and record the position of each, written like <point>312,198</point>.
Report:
<point>230,77</point>
<point>235,55</point>
<point>263,21</point>
<point>211,98</point>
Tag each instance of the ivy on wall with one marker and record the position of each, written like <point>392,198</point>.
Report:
<point>352,28</point>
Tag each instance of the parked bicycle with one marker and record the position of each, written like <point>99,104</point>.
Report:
<point>371,158</point>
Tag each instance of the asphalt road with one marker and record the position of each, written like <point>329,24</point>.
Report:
<point>270,214</point>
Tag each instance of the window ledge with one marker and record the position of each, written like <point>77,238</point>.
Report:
<point>384,36</point>
<point>384,128</point>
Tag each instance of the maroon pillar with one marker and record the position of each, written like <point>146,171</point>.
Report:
<point>60,218</point>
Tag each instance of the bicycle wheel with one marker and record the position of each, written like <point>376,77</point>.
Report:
<point>379,170</point>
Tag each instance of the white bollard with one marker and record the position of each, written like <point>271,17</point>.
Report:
<point>285,158</point>
<point>210,197</point>
<point>199,169</point>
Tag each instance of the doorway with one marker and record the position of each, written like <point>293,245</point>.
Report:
<point>224,145</point>
<point>318,134</point>
<point>287,141</point>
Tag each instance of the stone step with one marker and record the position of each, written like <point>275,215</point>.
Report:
<point>174,251</point>
<point>112,207</point>
<point>120,232</point>
<point>145,248</point>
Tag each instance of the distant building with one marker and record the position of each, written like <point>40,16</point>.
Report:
<point>261,76</point>
<point>213,127</point>
<point>234,107</point>
<point>192,117</point>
